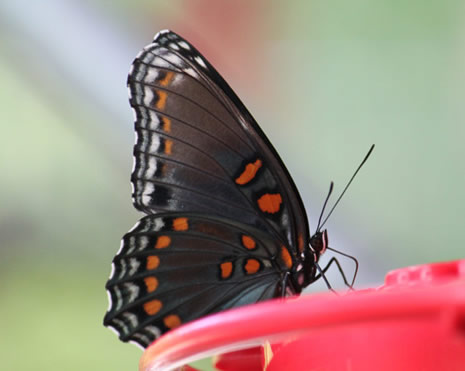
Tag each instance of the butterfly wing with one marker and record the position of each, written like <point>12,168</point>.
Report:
<point>199,150</point>
<point>225,222</point>
<point>172,269</point>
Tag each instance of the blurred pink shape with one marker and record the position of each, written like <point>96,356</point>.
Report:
<point>416,321</point>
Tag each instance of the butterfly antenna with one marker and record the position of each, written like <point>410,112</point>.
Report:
<point>348,184</point>
<point>331,186</point>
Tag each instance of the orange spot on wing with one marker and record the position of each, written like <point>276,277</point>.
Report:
<point>249,173</point>
<point>226,269</point>
<point>162,242</point>
<point>172,321</point>
<point>248,242</point>
<point>152,307</point>
<point>166,79</point>
<point>252,266</point>
<point>286,257</point>
<point>161,102</point>
<point>166,124</point>
<point>153,262</point>
<point>168,146</point>
<point>151,283</point>
<point>180,224</point>
<point>270,203</point>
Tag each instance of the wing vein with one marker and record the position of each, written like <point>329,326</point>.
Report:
<point>202,108</point>
<point>211,91</point>
<point>208,195</point>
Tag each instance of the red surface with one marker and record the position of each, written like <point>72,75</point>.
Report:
<point>243,360</point>
<point>416,321</point>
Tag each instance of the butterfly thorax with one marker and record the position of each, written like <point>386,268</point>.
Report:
<point>317,246</point>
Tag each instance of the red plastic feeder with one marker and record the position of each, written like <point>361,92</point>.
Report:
<point>416,321</point>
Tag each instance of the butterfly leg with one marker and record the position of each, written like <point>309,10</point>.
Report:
<point>287,287</point>
<point>322,274</point>
<point>284,282</point>
<point>325,269</point>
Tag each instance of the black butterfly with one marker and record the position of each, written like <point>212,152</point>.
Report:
<point>225,224</point>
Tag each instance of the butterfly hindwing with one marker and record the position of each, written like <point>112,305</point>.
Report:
<point>199,150</point>
<point>172,269</point>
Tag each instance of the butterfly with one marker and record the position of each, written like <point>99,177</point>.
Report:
<point>225,225</point>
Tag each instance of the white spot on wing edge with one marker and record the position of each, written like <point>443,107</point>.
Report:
<point>131,318</point>
<point>159,224</point>
<point>143,243</point>
<point>120,247</point>
<point>134,113</point>
<point>148,96</point>
<point>124,328</point>
<point>153,119</point>
<point>119,298</point>
<point>135,225</point>
<point>151,75</point>
<point>183,44</point>
<point>134,265</point>
<point>151,225</point>
<point>200,61</point>
<point>132,245</point>
<point>123,268</point>
<point>133,188</point>
<point>147,48</point>
<point>112,273</point>
<point>110,302</point>
<point>143,338</point>
<point>140,54</point>
<point>152,165</point>
<point>174,59</point>
<point>154,147</point>
<point>147,194</point>
<point>191,72</point>
<point>136,344</point>
<point>153,330</point>
<point>159,33</point>
<point>132,171</point>
<point>113,329</point>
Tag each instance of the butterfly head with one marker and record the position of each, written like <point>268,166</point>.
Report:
<point>317,246</point>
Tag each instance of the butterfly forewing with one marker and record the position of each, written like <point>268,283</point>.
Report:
<point>198,148</point>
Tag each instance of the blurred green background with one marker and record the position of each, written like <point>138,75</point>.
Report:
<point>324,79</point>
